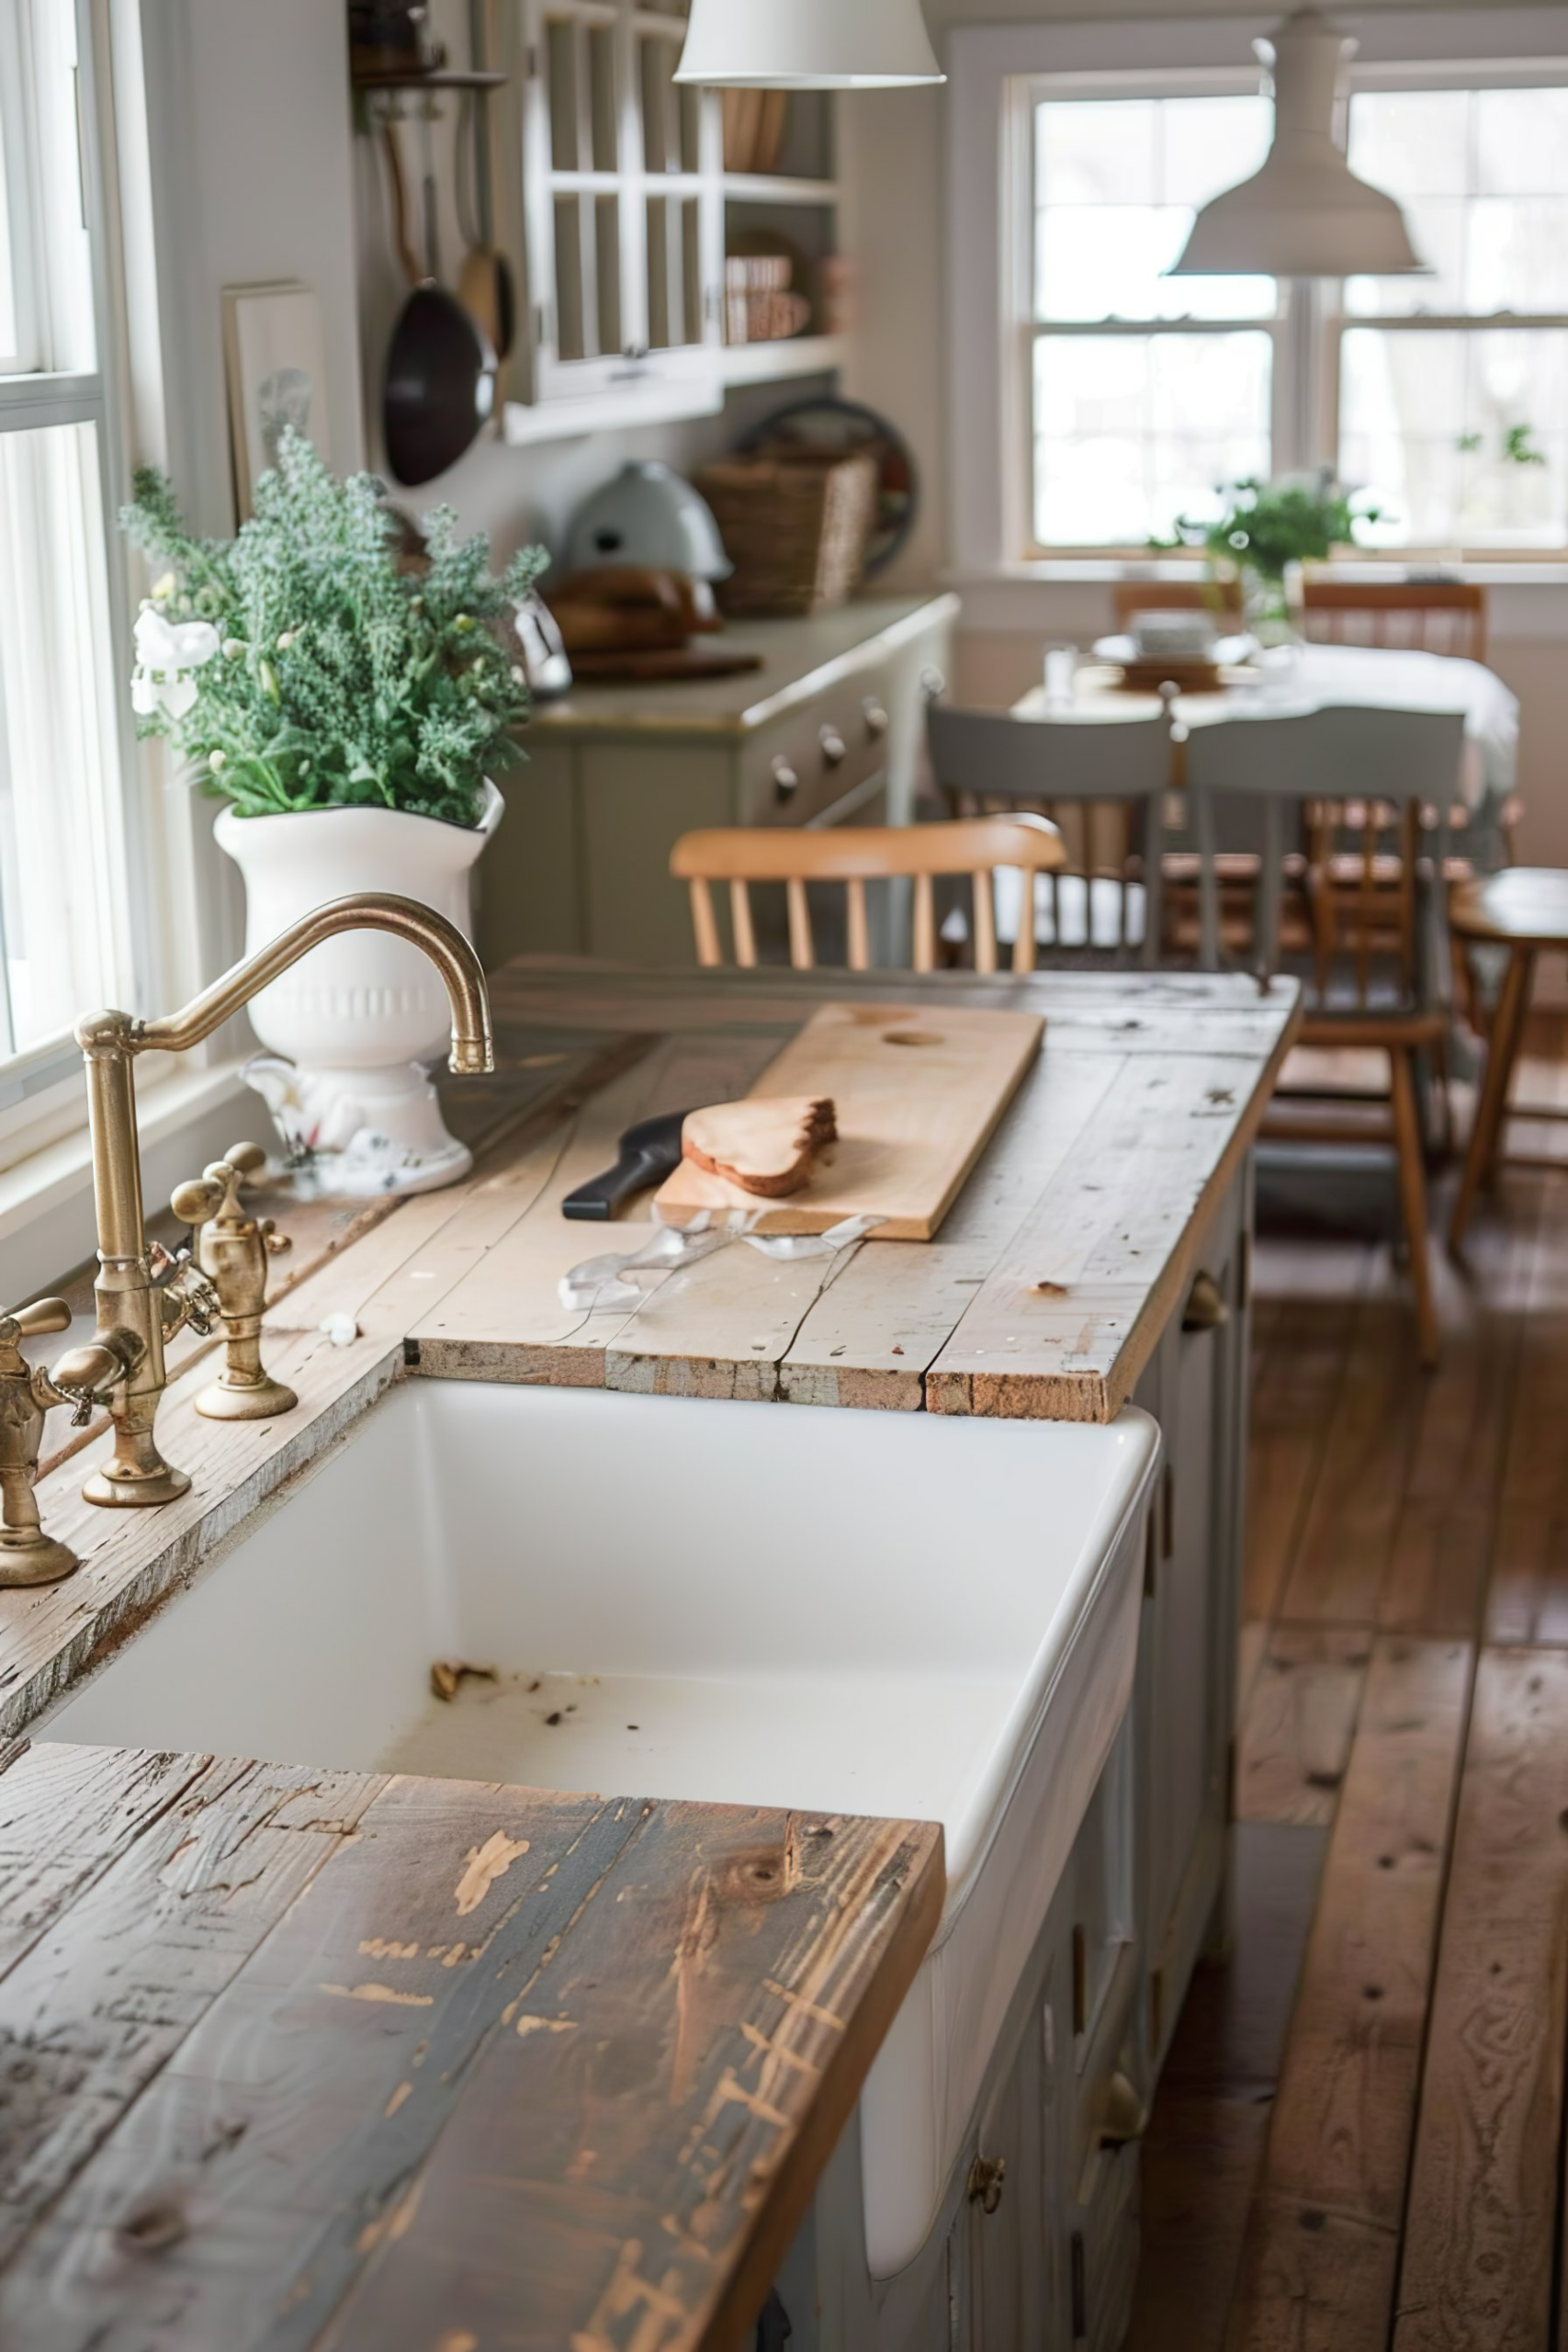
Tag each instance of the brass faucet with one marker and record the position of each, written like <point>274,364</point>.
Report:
<point>143,1295</point>
<point>26,1555</point>
<point>231,1250</point>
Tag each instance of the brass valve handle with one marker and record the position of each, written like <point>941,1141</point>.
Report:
<point>34,1322</point>
<point>231,1250</point>
<point>28,1557</point>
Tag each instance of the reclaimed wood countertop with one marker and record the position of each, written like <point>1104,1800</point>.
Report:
<point>292,2059</point>
<point>1044,1296</point>
<point>532,2069</point>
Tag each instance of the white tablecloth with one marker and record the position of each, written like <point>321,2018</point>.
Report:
<point>1317,677</point>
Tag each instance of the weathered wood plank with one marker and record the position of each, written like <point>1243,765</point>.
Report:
<point>730,2070</point>
<point>1293,1412</point>
<point>870,1338</point>
<point>1205,2141</point>
<point>1135,1012</point>
<point>1066,1322</point>
<point>1296,1735</point>
<point>1477,2274</point>
<point>97,1803</point>
<point>1346,1546</point>
<point>524,2068</point>
<point>1318,2269</point>
<point>98,2003</point>
<point>1441,1554</point>
<point>506,1321</point>
<point>1528,1597</point>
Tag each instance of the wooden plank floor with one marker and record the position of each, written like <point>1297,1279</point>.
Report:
<point>1357,2145</point>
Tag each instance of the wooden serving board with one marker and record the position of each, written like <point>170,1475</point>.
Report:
<point>919,1096</point>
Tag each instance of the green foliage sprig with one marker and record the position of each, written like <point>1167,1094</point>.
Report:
<point>329,675</point>
<point>1268,525</point>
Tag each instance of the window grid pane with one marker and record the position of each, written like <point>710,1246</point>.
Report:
<point>1133,432</point>
<point>1457,432</point>
<point>1135,435</point>
<point>63,885</point>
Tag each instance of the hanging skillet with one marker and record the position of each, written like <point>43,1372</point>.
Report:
<point>439,385</point>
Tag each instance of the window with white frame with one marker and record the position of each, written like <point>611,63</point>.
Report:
<point>65,933</point>
<point>1147,391</point>
<point>1444,396</point>
<point>1453,388</point>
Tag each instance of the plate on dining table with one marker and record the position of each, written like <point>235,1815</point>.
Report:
<point>1224,653</point>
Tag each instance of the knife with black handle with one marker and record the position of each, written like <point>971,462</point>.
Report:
<point>650,1152</point>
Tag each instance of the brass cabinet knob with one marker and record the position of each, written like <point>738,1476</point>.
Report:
<point>786,779</point>
<point>986,2176</point>
<point>835,750</point>
<point>1205,1309</point>
<point>1126,2118</point>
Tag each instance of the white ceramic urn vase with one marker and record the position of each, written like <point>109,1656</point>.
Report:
<point>351,1027</point>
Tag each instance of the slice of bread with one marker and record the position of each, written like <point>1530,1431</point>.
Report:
<point>767,1146</point>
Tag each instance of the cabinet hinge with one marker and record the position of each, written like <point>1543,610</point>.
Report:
<point>531,61</point>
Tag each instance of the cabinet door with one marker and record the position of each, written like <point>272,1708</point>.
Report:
<point>1188,1678</point>
<point>1011,2261</point>
<point>622,196</point>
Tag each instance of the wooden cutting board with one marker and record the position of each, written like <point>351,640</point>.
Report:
<point>919,1095</point>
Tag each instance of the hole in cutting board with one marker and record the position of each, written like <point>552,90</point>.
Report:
<point>912,1037</point>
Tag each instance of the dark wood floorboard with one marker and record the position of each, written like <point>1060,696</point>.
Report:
<point>1358,2145</point>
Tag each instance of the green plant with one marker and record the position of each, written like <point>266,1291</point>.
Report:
<point>1267,526</point>
<point>299,665</point>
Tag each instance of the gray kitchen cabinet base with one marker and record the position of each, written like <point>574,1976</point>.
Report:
<point>830,731</point>
<point>1052,2268</point>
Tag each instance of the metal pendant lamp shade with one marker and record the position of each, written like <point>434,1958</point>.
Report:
<point>808,45</point>
<point>1305,214</point>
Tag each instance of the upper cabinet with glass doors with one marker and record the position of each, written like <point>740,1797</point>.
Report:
<point>630,215</point>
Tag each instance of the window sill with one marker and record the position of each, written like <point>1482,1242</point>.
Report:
<point>46,1200</point>
<point>1082,569</point>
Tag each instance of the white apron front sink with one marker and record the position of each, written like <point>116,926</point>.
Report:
<point>832,1612</point>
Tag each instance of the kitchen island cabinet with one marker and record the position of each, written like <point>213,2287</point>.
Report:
<point>1097,1258</point>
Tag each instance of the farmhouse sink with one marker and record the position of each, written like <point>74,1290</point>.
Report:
<point>835,1611</point>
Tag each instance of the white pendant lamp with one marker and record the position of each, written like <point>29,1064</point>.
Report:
<point>808,45</point>
<point>1305,214</point>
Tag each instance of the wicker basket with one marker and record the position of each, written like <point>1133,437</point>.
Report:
<point>795,528</point>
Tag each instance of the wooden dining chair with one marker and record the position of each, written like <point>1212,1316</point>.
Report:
<point>1421,615</point>
<point>1255,780</point>
<point>856,856</point>
<point>1103,783</point>
<point>1223,598</point>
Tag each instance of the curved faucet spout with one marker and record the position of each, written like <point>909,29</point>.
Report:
<point>130,1307</point>
<point>473,1050</point>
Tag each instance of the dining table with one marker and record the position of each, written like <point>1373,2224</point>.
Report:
<point>1289,681</point>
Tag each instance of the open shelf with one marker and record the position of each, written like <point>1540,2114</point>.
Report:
<point>799,354</point>
<point>771,188</point>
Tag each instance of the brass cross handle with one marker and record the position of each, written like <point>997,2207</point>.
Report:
<point>232,1249</point>
<point>28,1555</point>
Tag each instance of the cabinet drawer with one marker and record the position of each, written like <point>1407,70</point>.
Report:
<point>819,755</point>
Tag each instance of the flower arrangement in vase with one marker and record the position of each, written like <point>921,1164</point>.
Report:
<point>1268,530</point>
<point>350,706</point>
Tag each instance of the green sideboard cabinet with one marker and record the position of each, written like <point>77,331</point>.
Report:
<point>830,731</point>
